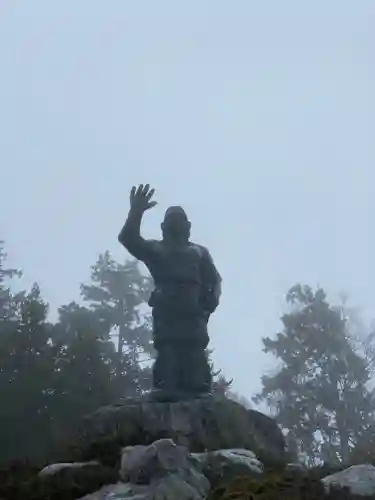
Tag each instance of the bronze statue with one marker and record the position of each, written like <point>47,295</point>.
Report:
<point>187,292</point>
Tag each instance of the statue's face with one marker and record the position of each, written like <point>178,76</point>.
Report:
<point>176,225</point>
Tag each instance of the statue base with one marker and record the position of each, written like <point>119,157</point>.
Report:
<point>208,422</point>
<point>173,396</point>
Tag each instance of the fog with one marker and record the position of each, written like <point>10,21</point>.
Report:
<point>256,117</point>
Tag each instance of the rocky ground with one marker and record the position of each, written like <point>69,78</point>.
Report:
<point>210,448</point>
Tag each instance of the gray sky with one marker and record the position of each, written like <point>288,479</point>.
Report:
<point>257,117</point>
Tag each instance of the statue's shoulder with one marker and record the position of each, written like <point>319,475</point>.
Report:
<point>155,244</point>
<point>200,249</point>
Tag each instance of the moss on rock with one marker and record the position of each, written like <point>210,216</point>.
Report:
<point>280,486</point>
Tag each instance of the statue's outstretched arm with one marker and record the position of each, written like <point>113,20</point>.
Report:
<point>130,235</point>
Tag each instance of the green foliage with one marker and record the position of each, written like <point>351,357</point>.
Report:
<point>364,450</point>
<point>21,481</point>
<point>278,486</point>
<point>321,384</point>
<point>115,294</point>
<point>27,364</point>
<point>84,368</point>
<point>53,374</point>
<point>6,274</point>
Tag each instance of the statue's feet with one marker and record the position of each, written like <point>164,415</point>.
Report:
<point>173,396</point>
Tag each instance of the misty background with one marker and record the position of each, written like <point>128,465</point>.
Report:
<point>256,117</point>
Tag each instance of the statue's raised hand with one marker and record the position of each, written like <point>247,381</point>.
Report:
<point>140,198</point>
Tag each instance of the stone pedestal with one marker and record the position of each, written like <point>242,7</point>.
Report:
<point>204,424</point>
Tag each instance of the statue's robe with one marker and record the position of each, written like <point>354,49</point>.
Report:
<point>187,291</point>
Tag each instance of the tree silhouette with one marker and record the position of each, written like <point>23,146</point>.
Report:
<point>319,393</point>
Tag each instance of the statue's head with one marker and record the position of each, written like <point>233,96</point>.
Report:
<point>176,225</point>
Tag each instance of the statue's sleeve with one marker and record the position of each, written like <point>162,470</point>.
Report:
<point>212,275</point>
<point>141,249</point>
<point>132,240</point>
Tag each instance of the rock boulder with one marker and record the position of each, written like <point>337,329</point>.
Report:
<point>204,424</point>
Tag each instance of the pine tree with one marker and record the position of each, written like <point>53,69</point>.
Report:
<point>118,294</point>
<point>6,275</point>
<point>84,377</point>
<point>51,375</point>
<point>319,393</point>
<point>27,365</point>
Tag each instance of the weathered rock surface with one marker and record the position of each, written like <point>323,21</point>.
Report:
<point>160,471</point>
<point>360,479</point>
<point>166,471</point>
<point>205,424</point>
<point>169,489</point>
<point>153,450</point>
<point>228,464</point>
<point>71,480</point>
<point>68,467</point>
<point>143,464</point>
